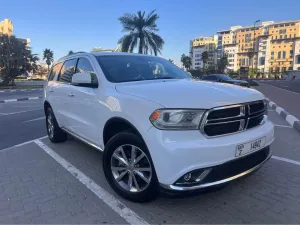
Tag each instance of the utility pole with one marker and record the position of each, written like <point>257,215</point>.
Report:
<point>254,45</point>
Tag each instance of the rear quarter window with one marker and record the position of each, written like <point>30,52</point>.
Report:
<point>53,71</point>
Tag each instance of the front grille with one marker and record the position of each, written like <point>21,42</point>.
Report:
<point>237,166</point>
<point>233,118</point>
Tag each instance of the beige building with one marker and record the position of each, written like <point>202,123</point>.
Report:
<point>200,45</point>
<point>274,46</point>
<point>6,27</point>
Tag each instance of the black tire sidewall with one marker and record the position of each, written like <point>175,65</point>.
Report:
<point>151,191</point>
<point>59,135</point>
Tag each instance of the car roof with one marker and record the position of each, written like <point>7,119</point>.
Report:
<point>78,54</point>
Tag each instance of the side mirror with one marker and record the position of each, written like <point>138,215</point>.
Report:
<point>85,80</point>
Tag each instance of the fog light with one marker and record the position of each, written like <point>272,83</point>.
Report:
<point>187,177</point>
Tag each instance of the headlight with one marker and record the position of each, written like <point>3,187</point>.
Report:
<point>176,119</point>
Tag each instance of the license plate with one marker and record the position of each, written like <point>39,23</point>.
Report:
<point>248,147</point>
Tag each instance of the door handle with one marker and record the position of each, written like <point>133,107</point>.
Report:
<point>71,95</point>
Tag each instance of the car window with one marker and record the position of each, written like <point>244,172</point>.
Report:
<point>66,71</point>
<point>84,65</point>
<point>125,68</point>
<point>53,71</point>
<point>210,78</point>
<point>224,77</point>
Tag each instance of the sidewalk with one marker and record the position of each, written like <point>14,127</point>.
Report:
<point>286,99</point>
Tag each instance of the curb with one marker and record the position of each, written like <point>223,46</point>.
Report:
<point>21,90</point>
<point>290,119</point>
<point>19,99</point>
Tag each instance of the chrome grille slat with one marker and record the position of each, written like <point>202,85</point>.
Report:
<point>248,118</point>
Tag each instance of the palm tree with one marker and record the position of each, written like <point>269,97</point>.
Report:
<point>186,61</point>
<point>33,58</point>
<point>141,30</point>
<point>48,56</point>
<point>170,60</point>
<point>70,52</point>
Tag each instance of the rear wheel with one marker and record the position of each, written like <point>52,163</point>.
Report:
<point>129,169</point>
<point>55,133</point>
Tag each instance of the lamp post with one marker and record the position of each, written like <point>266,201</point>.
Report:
<point>254,45</point>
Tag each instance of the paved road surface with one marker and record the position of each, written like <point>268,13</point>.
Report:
<point>20,122</point>
<point>20,94</point>
<point>290,101</point>
<point>36,187</point>
<point>287,85</point>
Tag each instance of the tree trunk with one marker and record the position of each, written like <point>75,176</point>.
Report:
<point>141,45</point>
<point>48,68</point>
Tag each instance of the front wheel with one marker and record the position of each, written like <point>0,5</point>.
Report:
<point>129,169</point>
<point>55,133</point>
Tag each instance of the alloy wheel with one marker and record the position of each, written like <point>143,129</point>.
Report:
<point>131,168</point>
<point>50,125</point>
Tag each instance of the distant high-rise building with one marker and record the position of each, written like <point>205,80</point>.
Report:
<point>200,45</point>
<point>6,27</point>
<point>270,47</point>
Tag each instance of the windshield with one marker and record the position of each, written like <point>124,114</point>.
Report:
<point>125,68</point>
<point>224,77</point>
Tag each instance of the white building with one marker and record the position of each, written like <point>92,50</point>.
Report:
<point>297,55</point>
<point>230,50</point>
<point>197,62</point>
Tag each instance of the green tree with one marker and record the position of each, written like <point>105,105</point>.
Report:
<point>204,57</point>
<point>48,56</point>
<point>141,30</point>
<point>186,61</point>
<point>70,52</point>
<point>15,59</point>
<point>170,60</point>
<point>223,63</point>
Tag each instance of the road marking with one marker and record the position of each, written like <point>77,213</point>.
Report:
<point>40,118</point>
<point>21,144</point>
<point>282,89</point>
<point>7,114</point>
<point>32,98</point>
<point>286,160</point>
<point>126,213</point>
<point>277,125</point>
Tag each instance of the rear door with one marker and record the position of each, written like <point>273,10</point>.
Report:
<point>61,92</point>
<point>84,109</point>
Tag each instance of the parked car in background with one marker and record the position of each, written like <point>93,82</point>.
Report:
<point>157,126</point>
<point>222,78</point>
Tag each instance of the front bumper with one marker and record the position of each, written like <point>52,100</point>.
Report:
<point>227,172</point>
<point>176,153</point>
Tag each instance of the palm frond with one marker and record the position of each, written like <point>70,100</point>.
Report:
<point>125,42</point>
<point>150,21</point>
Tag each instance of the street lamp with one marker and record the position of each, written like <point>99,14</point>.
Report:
<point>254,44</point>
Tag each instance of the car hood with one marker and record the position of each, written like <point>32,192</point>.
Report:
<point>189,93</point>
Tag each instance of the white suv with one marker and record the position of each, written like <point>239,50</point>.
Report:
<point>158,127</point>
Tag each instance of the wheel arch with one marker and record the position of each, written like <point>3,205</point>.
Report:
<point>116,125</point>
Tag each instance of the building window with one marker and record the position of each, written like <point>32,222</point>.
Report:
<point>283,54</point>
<point>271,64</point>
<point>283,69</point>
<point>298,59</point>
<point>277,69</point>
<point>282,31</point>
<point>285,36</point>
<point>291,63</point>
<point>294,35</point>
<point>291,53</point>
<point>298,68</point>
<point>278,55</point>
<point>280,36</point>
<point>197,55</point>
<point>290,36</point>
<point>290,68</point>
<point>272,55</point>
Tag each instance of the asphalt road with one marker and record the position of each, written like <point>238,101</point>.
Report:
<point>293,86</point>
<point>20,94</point>
<point>20,122</point>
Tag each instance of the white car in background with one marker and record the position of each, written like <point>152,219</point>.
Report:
<point>157,127</point>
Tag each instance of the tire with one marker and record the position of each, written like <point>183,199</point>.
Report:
<point>55,134</point>
<point>143,192</point>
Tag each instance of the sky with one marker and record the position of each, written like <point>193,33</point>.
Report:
<point>80,25</point>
